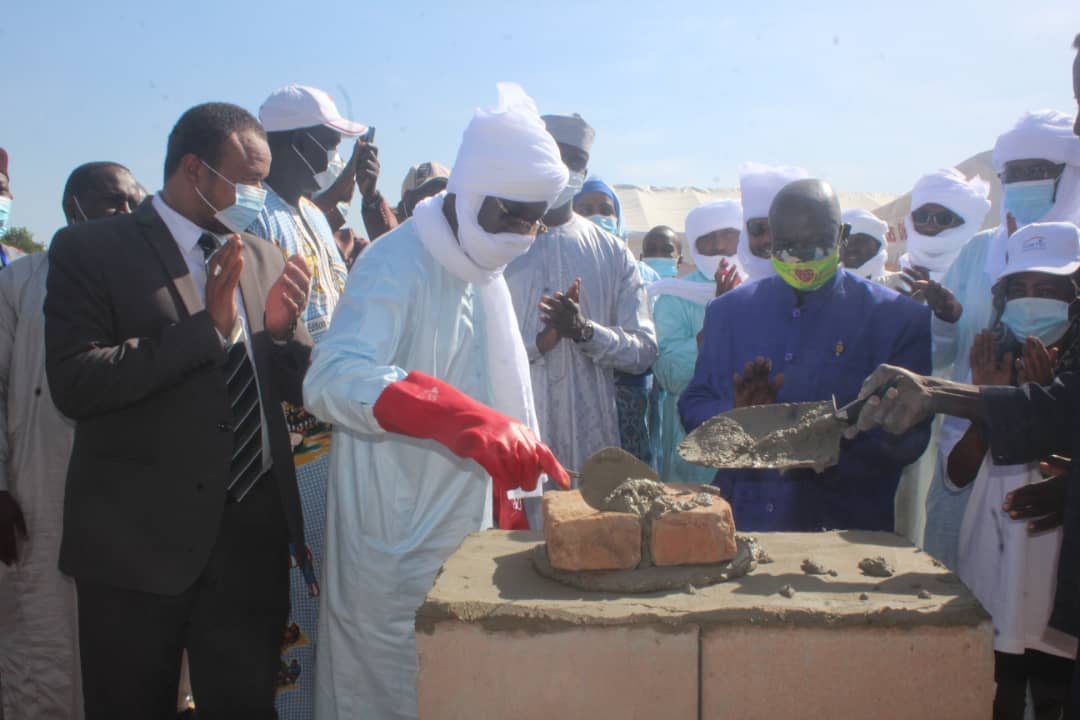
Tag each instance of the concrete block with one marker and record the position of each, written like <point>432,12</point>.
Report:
<point>869,672</point>
<point>469,672</point>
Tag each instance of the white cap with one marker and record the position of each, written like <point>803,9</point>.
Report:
<point>299,106</point>
<point>1052,248</point>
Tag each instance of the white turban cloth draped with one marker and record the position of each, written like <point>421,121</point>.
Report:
<point>864,222</point>
<point>970,199</point>
<point>708,218</point>
<point>1044,135</point>
<point>759,184</point>
<point>506,152</point>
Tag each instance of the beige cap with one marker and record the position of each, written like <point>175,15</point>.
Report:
<point>421,173</point>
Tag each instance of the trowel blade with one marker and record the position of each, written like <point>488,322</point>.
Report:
<point>605,470</point>
<point>783,436</point>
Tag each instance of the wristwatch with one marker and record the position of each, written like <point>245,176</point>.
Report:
<point>586,333</point>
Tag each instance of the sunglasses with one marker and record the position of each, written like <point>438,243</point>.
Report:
<point>1026,173</point>
<point>941,218</point>
<point>520,214</point>
<point>757,227</point>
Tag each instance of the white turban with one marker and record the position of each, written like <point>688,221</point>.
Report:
<point>1043,135</point>
<point>970,199</point>
<point>707,218</point>
<point>507,152</point>
<point>863,222</point>
<point>759,184</point>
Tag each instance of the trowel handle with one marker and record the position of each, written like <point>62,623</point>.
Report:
<point>850,412</point>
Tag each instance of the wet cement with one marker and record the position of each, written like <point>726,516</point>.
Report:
<point>491,581</point>
<point>613,480</point>
<point>783,435</point>
<point>876,567</point>
<point>649,500</point>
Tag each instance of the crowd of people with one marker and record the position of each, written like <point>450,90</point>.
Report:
<point>240,438</point>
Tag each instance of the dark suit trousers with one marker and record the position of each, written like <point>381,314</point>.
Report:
<point>231,620</point>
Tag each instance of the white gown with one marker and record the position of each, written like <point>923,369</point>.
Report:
<point>397,506</point>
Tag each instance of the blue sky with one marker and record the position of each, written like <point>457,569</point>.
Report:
<point>867,94</point>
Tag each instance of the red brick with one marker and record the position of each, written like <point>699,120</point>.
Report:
<point>698,536</point>
<point>581,538</point>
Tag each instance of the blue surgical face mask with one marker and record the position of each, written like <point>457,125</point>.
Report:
<point>1029,201</point>
<point>664,267</point>
<point>238,216</point>
<point>1044,318</point>
<point>5,213</point>
<point>608,222</point>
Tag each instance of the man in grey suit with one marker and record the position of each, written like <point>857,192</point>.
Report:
<point>171,340</point>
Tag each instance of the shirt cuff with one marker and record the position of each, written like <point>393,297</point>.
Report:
<point>235,336</point>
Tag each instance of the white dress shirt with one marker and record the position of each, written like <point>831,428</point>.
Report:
<point>187,234</point>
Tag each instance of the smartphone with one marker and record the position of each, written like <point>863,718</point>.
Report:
<point>369,136</point>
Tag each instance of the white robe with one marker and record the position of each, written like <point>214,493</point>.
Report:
<point>574,384</point>
<point>397,506</point>
<point>39,645</point>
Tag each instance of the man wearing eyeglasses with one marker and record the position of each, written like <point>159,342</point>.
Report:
<point>593,319</point>
<point>809,333</point>
<point>424,376</point>
<point>1038,164</point>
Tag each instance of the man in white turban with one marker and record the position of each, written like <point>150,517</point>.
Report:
<point>424,376</point>
<point>865,252</point>
<point>1038,162</point>
<point>947,210</point>
<point>712,231</point>
<point>593,319</point>
<point>759,184</point>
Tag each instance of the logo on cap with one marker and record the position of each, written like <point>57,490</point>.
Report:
<point>1033,244</point>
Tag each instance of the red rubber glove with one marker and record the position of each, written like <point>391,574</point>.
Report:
<point>425,407</point>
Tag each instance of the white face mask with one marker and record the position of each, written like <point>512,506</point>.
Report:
<point>489,251</point>
<point>334,165</point>
<point>936,253</point>
<point>573,187</point>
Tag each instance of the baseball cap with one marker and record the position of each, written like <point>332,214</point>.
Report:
<point>300,106</point>
<point>421,173</point>
<point>1052,248</point>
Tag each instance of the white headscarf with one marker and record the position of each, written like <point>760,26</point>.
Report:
<point>1045,135</point>
<point>970,199</point>
<point>506,152</point>
<point>759,184</point>
<point>702,220</point>
<point>707,218</point>
<point>865,222</point>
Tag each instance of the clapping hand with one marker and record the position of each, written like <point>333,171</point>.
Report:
<point>562,313</point>
<point>986,368</point>
<point>287,298</point>
<point>754,387</point>
<point>727,277</point>
<point>937,297</point>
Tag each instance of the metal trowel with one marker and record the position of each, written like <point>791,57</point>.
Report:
<point>606,470</point>
<point>782,436</point>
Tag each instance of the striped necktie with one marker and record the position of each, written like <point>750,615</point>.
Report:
<point>246,466</point>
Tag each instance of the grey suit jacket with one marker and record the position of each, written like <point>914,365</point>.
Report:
<point>133,357</point>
